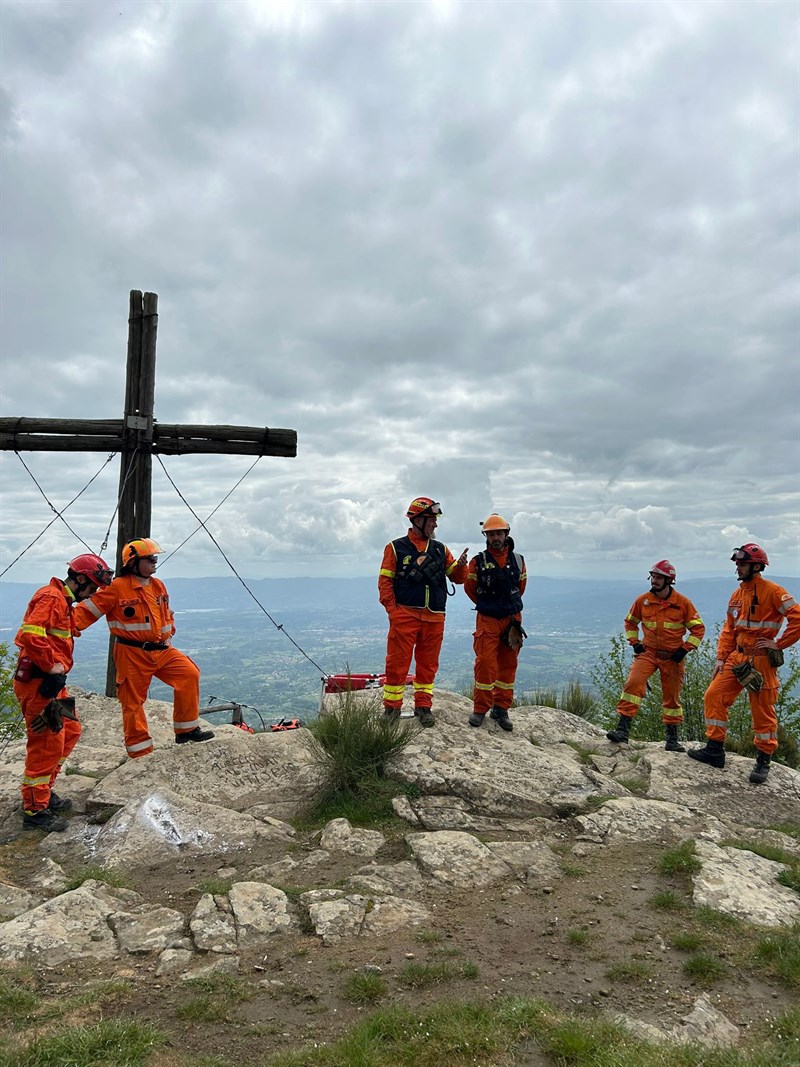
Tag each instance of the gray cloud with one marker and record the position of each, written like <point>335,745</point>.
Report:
<point>539,258</point>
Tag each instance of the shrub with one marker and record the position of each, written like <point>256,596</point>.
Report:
<point>12,724</point>
<point>352,747</point>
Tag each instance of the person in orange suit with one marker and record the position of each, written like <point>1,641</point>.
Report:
<point>45,640</point>
<point>753,634</point>
<point>136,607</point>
<point>496,581</point>
<point>412,587</point>
<point>671,628</point>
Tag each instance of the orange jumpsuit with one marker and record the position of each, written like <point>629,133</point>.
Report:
<point>46,637</point>
<point>137,610</point>
<point>757,609</point>
<point>664,623</point>
<point>495,663</point>
<point>413,631</point>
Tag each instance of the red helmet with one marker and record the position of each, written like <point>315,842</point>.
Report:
<point>751,553</point>
<point>92,567</point>
<point>664,568</point>
<point>423,505</point>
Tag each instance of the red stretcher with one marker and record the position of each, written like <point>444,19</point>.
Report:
<point>349,682</point>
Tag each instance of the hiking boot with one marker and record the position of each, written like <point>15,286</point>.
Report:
<point>621,732</point>
<point>759,773</point>
<point>60,805</point>
<point>44,820</point>
<point>391,713</point>
<point>713,754</point>
<point>476,718</point>
<point>425,716</point>
<point>194,735</point>
<point>672,744</point>
<point>500,716</point>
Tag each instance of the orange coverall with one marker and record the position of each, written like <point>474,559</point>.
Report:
<point>757,609</point>
<point>137,609</point>
<point>46,637</point>
<point>495,662</point>
<point>664,623</point>
<point>413,632</point>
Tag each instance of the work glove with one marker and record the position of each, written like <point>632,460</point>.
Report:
<point>513,635</point>
<point>638,648</point>
<point>748,676</point>
<point>52,684</point>
<point>775,656</point>
<point>678,654</point>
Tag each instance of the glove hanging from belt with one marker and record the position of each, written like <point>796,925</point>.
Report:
<point>52,716</point>
<point>775,657</point>
<point>513,635</point>
<point>748,676</point>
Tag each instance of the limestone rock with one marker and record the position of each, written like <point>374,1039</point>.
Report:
<point>339,836</point>
<point>744,885</point>
<point>457,859</point>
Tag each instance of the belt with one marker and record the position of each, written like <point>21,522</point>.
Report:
<point>661,653</point>
<point>145,646</point>
<point>749,651</point>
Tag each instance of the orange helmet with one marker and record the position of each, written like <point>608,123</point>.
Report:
<point>751,553</point>
<point>495,522</point>
<point>142,546</point>
<point>423,505</point>
<point>92,567</point>
<point>665,569</point>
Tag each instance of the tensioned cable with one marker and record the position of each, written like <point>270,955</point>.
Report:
<point>250,593</point>
<point>212,513</point>
<point>58,514</point>
<point>128,474</point>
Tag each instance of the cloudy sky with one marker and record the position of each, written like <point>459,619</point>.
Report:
<point>540,258</point>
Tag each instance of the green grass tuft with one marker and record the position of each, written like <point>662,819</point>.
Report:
<point>680,860</point>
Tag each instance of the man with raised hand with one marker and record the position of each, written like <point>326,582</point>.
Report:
<point>412,587</point>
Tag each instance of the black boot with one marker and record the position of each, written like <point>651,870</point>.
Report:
<point>671,733</point>
<point>425,716</point>
<point>500,716</point>
<point>476,718</point>
<point>759,773</point>
<point>44,820</point>
<point>713,754</point>
<point>621,732</point>
<point>60,805</point>
<point>194,735</point>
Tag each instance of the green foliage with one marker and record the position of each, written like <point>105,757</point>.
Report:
<point>780,950</point>
<point>681,859</point>
<point>611,672</point>
<point>18,998</point>
<point>667,900</point>
<point>352,747</point>
<point>365,988</point>
<point>420,975</point>
<point>572,697</point>
<point>12,724</point>
<point>111,1043</point>
<point>108,875</point>
<point>629,971</point>
<point>704,968</point>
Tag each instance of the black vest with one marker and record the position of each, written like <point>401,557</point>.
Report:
<point>497,591</point>
<point>420,585</point>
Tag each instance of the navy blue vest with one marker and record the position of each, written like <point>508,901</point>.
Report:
<point>420,585</point>
<point>497,591</point>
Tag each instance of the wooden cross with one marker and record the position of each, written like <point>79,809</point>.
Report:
<point>137,436</point>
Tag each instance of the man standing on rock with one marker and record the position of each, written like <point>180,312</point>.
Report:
<point>412,587</point>
<point>665,615</point>
<point>749,652</point>
<point>45,641</point>
<point>136,606</point>
<point>496,581</point>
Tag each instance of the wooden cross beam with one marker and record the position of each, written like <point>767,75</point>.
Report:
<point>137,436</point>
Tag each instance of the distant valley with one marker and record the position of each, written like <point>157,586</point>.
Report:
<point>340,625</point>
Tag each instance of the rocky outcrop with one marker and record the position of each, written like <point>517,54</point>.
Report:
<point>485,811</point>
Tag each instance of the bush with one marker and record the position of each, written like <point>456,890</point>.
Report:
<point>611,671</point>
<point>572,698</point>
<point>352,747</point>
<point>12,724</point>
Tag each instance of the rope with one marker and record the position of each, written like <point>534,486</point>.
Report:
<point>58,514</point>
<point>250,593</point>
<point>212,513</point>
<point>130,471</point>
